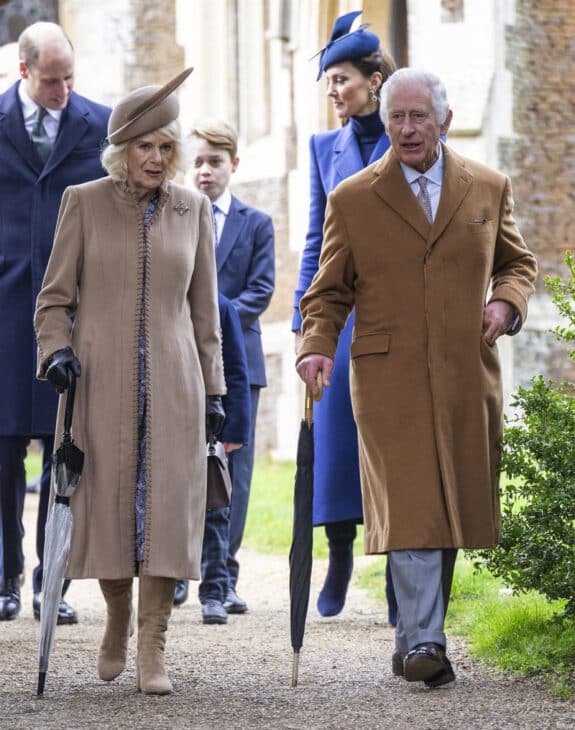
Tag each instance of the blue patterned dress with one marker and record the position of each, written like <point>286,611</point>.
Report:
<point>141,472</point>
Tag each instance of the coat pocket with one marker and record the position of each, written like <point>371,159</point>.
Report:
<point>375,344</point>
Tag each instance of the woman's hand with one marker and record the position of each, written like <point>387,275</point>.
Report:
<point>215,415</point>
<point>61,364</point>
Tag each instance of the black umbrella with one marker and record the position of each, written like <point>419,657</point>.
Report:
<point>66,470</point>
<point>300,555</point>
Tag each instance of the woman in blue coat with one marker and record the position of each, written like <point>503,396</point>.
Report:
<point>355,68</point>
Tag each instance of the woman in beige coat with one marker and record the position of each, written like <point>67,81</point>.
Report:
<point>130,298</point>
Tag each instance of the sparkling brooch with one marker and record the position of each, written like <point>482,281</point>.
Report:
<point>181,207</point>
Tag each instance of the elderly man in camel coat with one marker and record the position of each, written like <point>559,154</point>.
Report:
<point>436,270</point>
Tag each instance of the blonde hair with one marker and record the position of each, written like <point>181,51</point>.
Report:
<point>113,156</point>
<point>219,134</point>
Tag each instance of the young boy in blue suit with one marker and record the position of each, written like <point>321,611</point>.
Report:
<point>245,265</point>
<point>235,434</point>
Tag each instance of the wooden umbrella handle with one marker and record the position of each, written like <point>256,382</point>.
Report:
<point>310,398</point>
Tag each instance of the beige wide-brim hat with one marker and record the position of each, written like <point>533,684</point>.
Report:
<point>145,109</point>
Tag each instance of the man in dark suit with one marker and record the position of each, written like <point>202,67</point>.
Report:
<point>50,138</point>
<point>245,263</point>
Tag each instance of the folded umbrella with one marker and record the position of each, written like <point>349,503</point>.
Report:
<point>66,472</point>
<point>300,555</point>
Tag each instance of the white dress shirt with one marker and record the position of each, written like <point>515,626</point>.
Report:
<point>30,112</point>
<point>222,204</point>
<point>434,177</point>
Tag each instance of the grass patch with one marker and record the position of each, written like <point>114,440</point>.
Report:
<point>372,579</point>
<point>33,463</point>
<point>524,635</point>
<point>521,635</point>
<point>270,512</point>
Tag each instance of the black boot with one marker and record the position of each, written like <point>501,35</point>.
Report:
<point>10,599</point>
<point>181,592</point>
<point>331,599</point>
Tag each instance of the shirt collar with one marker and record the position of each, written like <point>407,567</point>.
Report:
<point>434,174</point>
<point>224,201</point>
<point>30,108</point>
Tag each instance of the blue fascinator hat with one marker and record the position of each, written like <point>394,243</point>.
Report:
<point>345,44</point>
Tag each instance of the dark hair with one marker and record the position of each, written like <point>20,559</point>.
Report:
<point>377,61</point>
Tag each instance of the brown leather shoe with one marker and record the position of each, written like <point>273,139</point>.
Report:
<point>428,663</point>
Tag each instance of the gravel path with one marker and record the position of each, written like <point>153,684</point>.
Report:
<point>238,675</point>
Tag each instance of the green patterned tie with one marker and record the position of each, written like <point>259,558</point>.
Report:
<point>40,138</point>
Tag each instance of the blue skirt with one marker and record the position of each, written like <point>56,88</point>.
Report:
<point>337,491</point>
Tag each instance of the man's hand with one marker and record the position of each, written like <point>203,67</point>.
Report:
<point>230,446</point>
<point>308,368</point>
<point>497,317</point>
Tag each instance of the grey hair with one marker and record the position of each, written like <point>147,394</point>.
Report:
<point>113,156</point>
<point>411,75</point>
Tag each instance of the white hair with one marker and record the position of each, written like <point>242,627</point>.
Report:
<point>414,76</point>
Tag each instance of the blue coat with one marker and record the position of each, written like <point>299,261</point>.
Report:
<point>237,401</point>
<point>29,201</point>
<point>246,276</point>
<point>334,156</point>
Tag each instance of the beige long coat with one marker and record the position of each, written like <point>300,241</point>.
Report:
<point>425,386</point>
<point>95,274</point>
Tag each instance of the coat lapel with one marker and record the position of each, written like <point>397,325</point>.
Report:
<point>455,186</point>
<point>392,187</point>
<point>381,147</point>
<point>12,124</point>
<point>230,233</point>
<point>73,126</point>
<point>347,155</point>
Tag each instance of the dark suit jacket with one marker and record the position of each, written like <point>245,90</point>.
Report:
<point>237,401</point>
<point>246,275</point>
<point>30,196</point>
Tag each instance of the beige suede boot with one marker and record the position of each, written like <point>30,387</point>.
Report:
<point>119,626</point>
<point>156,597</point>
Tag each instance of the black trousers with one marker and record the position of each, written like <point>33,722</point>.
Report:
<point>13,451</point>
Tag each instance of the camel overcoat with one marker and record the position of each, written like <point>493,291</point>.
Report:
<point>426,387</point>
<point>95,276</point>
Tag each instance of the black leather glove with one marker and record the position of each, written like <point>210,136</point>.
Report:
<point>61,362</point>
<point>215,415</point>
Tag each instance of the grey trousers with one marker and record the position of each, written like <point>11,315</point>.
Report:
<point>422,582</point>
